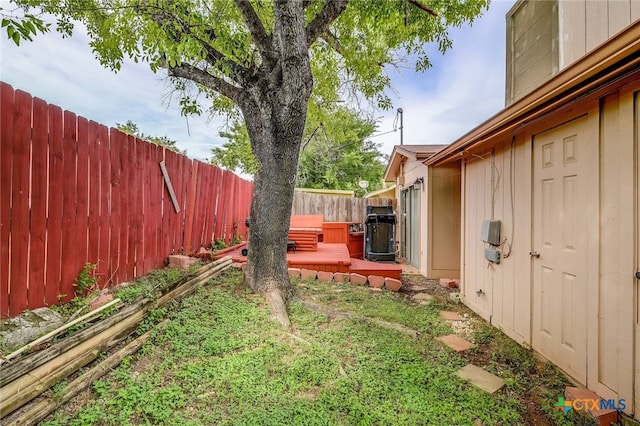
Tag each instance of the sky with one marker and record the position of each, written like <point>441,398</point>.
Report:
<point>462,89</point>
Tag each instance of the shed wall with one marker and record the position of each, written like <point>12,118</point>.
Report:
<point>497,184</point>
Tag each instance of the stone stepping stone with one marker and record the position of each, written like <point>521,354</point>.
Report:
<point>451,316</point>
<point>478,377</point>
<point>456,343</point>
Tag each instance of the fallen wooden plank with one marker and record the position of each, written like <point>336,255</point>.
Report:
<point>42,409</point>
<point>167,181</point>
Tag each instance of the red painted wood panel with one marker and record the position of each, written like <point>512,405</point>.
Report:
<point>184,174</point>
<point>82,182</point>
<point>38,213</point>
<point>128,193</point>
<point>230,206</point>
<point>54,210</point>
<point>223,206</point>
<point>115,182</point>
<point>156,205</point>
<point>215,203</point>
<point>148,213</point>
<point>93,176</point>
<point>167,208</point>
<point>18,282</point>
<point>213,191</point>
<point>71,265</point>
<point>6,132</point>
<point>102,270</point>
<point>203,196</point>
<point>190,209</point>
<point>137,236</point>
<point>173,217</point>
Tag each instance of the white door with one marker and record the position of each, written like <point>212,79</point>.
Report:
<point>559,252</point>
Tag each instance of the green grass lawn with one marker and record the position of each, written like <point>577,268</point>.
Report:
<point>220,360</point>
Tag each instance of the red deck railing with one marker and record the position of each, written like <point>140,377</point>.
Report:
<point>73,191</point>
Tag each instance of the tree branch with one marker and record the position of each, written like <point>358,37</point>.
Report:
<point>254,24</point>
<point>422,7</point>
<point>331,10</point>
<point>237,72</point>
<point>203,78</point>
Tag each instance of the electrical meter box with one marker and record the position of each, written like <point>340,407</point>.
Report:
<point>491,232</point>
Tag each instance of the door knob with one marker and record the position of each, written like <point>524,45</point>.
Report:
<point>638,275</point>
<point>535,254</point>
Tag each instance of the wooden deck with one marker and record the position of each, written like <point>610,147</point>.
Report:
<point>332,258</point>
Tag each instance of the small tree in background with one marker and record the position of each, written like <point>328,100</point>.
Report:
<point>336,153</point>
<point>132,129</point>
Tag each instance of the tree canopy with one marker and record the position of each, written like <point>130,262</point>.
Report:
<point>273,61</point>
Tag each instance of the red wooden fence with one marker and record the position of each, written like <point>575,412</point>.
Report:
<point>73,191</point>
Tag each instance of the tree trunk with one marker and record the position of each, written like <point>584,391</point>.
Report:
<point>275,110</point>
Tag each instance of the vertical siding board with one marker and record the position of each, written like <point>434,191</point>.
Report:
<point>21,142</point>
<point>6,131</point>
<point>38,213</point>
<point>71,266</point>
<point>102,269</point>
<point>54,210</point>
<point>115,182</point>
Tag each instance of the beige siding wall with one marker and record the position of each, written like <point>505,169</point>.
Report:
<point>613,326</point>
<point>500,293</point>
<point>585,24</point>
<point>636,319</point>
<point>439,217</point>
<point>546,36</point>
<point>503,293</point>
<point>532,42</point>
<point>443,222</point>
